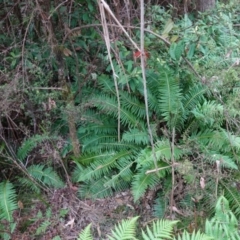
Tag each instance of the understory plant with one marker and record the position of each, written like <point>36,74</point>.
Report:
<point>223,225</point>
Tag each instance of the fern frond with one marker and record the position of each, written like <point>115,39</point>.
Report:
<point>209,114</point>
<point>28,184</point>
<point>224,224</point>
<point>159,207</point>
<point>8,200</point>
<point>136,136</point>
<point>95,189</point>
<point>45,175</point>
<point>133,104</point>
<point>86,233</point>
<point>225,161</point>
<point>233,197</point>
<point>142,181</point>
<point>160,229</point>
<point>43,227</point>
<point>194,236</point>
<point>29,144</point>
<point>124,230</point>
<point>102,166</point>
<point>124,173</point>
<point>108,104</point>
<point>194,97</point>
<point>170,102</point>
<point>163,151</point>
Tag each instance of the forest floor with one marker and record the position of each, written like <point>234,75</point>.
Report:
<point>61,213</point>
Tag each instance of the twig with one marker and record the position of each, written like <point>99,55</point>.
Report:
<point>143,63</point>
<point>102,5</point>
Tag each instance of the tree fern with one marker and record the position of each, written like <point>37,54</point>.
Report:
<point>8,200</point>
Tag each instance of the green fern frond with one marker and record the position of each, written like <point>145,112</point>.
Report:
<point>124,173</point>
<point>161,229</point>
<point>95,189</point>
<point>209,114</point>
<point>142,181</point>
<point>233,197</point>
<point>94,142</point>
<point>124,230</point>
<point>225,161</point>
<point>136,136</point>
<point>194,236</point>
<point>224,224</point>
<point>163,151</point>
<point>159,207</point>
<point>43,227</point>
<point>86,233</point>
<point>8,200</point>
<point>194,96</point>
<point>45,175</point>
<point>170,102</point>
<point>109,105</point>
<point>28,184</point>
<point>133,104</point>
<point>29,144</point>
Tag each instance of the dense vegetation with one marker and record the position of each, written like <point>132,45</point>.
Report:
<point>102,99</point>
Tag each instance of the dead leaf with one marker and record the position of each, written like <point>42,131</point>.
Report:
<point>202,183</point>
<point>70,223</point>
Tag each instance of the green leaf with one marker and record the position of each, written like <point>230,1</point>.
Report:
<point>86,233</point>
<point>124,230</point>
<point>8,200</point>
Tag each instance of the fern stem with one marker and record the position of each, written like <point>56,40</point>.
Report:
<point>143,63</point>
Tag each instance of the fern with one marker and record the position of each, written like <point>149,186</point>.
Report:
<point>8,200</point>
<point>43,227</point>
<point>136,136</point>
<point>45,175</point>
<point>194,236</point>
<point>29,144</point>
<point>160,229</point>
<point>224,224</point>
<point>233,197</point>
<point>159,207</point>
<point>124,230</point>
<point>86,234</point>
<point>170,102</point>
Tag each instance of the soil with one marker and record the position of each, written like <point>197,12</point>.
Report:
<point>61,215</point>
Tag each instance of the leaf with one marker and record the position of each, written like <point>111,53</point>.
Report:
<point>8,200</point>
<point>124,230</point>
<point>191,50</point>
<point>86,233</point>
<point>161,229</point>
<point>168,27</point>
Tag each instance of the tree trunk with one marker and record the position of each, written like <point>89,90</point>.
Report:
<point>204,5</point>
